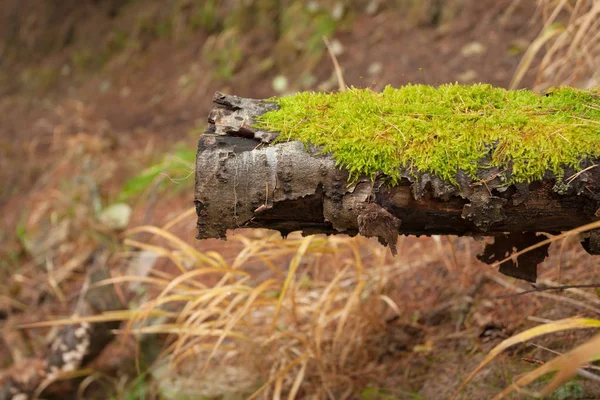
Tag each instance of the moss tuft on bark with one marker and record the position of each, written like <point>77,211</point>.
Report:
<point>445,129</point>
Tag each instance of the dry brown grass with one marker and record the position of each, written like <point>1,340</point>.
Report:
<point>564,366</point>
<point>295,328</point>
<point>568,45</point>
<point>301,317</point>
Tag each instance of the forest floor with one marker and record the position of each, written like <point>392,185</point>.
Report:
<point>80,132</point>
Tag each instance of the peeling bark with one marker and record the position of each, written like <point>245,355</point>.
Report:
<point>525,265</point>
<point>74,346</point>
<point>243,179</point>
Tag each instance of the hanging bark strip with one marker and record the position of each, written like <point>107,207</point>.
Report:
<point>244,180</point>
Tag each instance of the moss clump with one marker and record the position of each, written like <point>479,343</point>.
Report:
<point>445,129</point>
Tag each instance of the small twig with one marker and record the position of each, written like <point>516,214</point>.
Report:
<point>574,176</point>
<point>153,197</point>
<point>336,65</point>
<point>541,289</point>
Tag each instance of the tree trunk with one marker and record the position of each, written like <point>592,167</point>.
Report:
<point>243,179</point>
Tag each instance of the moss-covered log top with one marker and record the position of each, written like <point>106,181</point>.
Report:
<point>445,129</point>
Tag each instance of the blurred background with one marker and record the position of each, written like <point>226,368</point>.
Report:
<point>101,106</point>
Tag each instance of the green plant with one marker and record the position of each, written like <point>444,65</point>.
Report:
<point>179,163</point>
<point>206,17</point>
<point>570,391</point>
<point>85,59</point>
<point>163,29</point>
<point>224,52</point>
<point>117,42</point>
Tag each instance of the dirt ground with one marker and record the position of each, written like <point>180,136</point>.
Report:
<point>108,122</point>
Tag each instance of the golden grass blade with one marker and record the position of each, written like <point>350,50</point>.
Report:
<point>64,375</point>
<point>157,250</point>
<point>181,347</point>
<point>391,303</point>
<point>280,335</point>
<point>171,286</point>
<point>353,300</point>
<point>280,373</point>
<point>195,320</point>
<point>322,321</point>
<point>322,306</point>
<point>212,293</point>
<point>249,250</point>
<point>277,388</point>
<point>270,265</point>
<point>358,261</point>
<point>563,299</point>
<point>525,63</point>
<point>297,382</point>
<point>568,300</point>
<point>239,315</point>
<point>586,21</point>
<point>67,268</point>
<point>175,329</point>
<point>557,9</point>
<point>290,276</point>
<point>570,59</point>
<point>122,279</point>
<point>194,310</point>
<point>163,275</point>
<point>336,65</point>
<point>173,298</point>
<point>175,241</point>
<point>566,365</point>
<point>5,300</point>
<point>217,257</point>
<point>207,347</point>
<point>570,362</point>
<point>177,282</point>
<point>557,326</point>
<point>121,315</point>
<point>183,216</point>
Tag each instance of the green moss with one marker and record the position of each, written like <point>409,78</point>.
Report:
<point>445,129</point>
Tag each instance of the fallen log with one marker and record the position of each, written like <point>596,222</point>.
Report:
<point>74,346</point>
<point>249,175</point>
